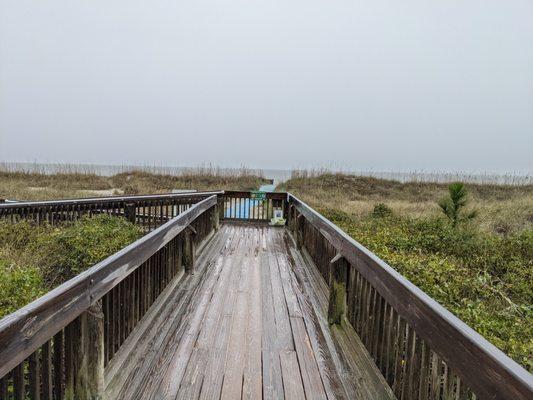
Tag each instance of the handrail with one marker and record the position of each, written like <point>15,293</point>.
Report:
<point>22,332</point>
<point>487,370</point>
<point>99,200</point>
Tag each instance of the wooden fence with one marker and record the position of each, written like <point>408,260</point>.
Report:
<point>148,211</point>
<point>422,350</point>
<point>243,206</point>
<point>57,347</point>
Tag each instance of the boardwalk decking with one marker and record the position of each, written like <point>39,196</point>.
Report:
<point>243,327</point>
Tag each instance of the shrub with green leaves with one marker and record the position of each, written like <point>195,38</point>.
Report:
<point>70,250</point>
<point>18,285</point>
<point>35,259</point>
<point>381,210</point>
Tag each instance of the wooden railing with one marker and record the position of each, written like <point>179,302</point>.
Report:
<point>422,350</point>
<point>148,211</point>
<point>243,206</point>
<point>57,346</point>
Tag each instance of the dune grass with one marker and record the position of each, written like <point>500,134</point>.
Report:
<point>36,184</point>
<point>502,209</point>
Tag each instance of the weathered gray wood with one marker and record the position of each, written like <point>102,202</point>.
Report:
<point>34,368</point>
<point>94,347</point>
<point>359,376</point>
<point>46,385</point>
<point>189,250</point>
<point>292,379</point>
<point>210,346</point>
<point>252,386</point>
<point>216,218</point>
<point>188,198</point>
<point>299,226</point>
<point>337,290</point>
<point>19,389</point>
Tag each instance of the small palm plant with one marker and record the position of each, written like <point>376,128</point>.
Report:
<point>452,206</point>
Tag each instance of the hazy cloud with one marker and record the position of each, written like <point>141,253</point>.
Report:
<point>360,84</point>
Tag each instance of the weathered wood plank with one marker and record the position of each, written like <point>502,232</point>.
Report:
<point>312,381</point>
<point>214,323</point>
<point>272,379</point>
<point>235,360</point>
<point>253,381</point>
<point>292,379</point>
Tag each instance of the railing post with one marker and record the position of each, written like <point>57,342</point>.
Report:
<point>129,212</point>
<point>337,289</point>
<point>189,249</point>
<point>216,217</point>
<point>95,351</point>
<point>299,228</point>
<point>85,346</point>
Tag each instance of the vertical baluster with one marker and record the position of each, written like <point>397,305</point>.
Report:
<point>372,325</point>
<point>436,372</point>
<point>425,355</point>
<point>377,328</point>
<point>19,388</point>
<point>399,356</point>
<point>58,366</point>
<point>34,370</point>
<point>46,371</point>
<point>408,366</point>
<point>122,312</point>
<point>105,301</point>
<point>383,341</point>
<point>389,352</point>
<point>116,319</point>
<point>4,383</point>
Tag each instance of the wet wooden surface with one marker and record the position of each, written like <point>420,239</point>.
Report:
<point>242,327</point>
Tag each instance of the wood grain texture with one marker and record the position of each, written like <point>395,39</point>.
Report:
<point>233,337</point>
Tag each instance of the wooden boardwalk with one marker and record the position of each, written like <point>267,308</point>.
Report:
<point>249,314</point>
<point>247,331</point>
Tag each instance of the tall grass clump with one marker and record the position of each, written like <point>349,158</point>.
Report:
<point>37,182</point>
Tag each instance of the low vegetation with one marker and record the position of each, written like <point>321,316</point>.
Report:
<point>36,184</point>
<point>35,259</point>
<point>478,265</point>
<point>501,209</point>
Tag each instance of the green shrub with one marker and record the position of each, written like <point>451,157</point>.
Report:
<point>35,259</point>
<point>70,250</point>
<point>381,210</point>
<point>18,286</point>
<point>485,279</point>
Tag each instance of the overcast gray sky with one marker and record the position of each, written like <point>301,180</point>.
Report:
<point>363,84</point>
